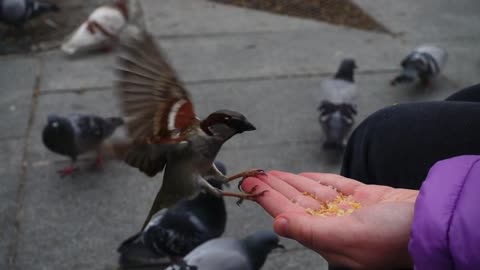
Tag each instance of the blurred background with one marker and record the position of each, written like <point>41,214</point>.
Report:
<point>265,59</point>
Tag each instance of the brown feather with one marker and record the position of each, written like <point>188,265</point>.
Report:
<point>148,89</point>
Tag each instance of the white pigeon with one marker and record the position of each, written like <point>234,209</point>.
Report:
<point>100,30</point>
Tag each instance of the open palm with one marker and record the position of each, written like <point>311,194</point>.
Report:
<point>374,236</point>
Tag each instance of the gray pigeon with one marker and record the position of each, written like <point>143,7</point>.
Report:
<point>172,233</point>
<point>338,105</point>
<point>248,253</point>
<point>17,12</point>
<point>77,134</point>
<point>423,65</point>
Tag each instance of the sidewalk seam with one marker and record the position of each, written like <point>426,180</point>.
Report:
<point>13,248</point>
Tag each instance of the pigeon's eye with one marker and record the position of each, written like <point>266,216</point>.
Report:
<point>227,118</point>
<point>55,124</point>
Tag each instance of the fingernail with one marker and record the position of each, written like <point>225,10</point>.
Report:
<point>281,226</point>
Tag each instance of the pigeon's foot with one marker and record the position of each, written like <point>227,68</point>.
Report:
<point>67,171</point>
<point>252,195</point>
<point>99,162</point>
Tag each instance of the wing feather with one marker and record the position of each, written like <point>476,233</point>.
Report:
<point>156,104</point>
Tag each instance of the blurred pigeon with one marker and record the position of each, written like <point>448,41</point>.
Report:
<point>248,253</point>
<point>172,233</point>
<point>100,30</point>
<point>423,64</point>
<point>338,105</point>
<point>166,132</point>
<point>17,12</point>
<point>76,134</point>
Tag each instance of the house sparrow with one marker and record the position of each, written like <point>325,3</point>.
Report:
<point>172,233</point>
<point>100,30</point>
<point>249,253</point>
<point>77,134</point>
<point>17,12</point>
<point>423,65</point>
<point>165,131</point>
<point>338,105</point>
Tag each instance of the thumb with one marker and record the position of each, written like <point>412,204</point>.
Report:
<point>298,226</point>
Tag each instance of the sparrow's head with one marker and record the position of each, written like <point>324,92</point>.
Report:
<point>226,123</point>
<point>346,69</point>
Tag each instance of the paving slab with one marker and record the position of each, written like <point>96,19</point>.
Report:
<point>427,19</point>
<point>17,73</point>
<point>10,169</point>
<point>201,17</point>
<point>17,78</point>
<point>91,71</point>
<point>279,54</point>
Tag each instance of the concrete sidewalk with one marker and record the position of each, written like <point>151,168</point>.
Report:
<point>266,66</point>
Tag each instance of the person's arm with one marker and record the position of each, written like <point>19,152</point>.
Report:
<point>446,226</point>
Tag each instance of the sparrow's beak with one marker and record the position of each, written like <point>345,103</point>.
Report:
<point>247,126</point>
<point>280,246</point>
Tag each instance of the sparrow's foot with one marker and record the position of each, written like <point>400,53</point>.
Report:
<point>245,174</point>
<point>244,196</point>
<point>67,171</point>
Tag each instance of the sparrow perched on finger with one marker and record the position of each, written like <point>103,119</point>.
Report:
<point>77,134</point>
<point>167,135</point>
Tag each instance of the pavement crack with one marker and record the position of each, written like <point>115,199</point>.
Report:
<point>13,248</point>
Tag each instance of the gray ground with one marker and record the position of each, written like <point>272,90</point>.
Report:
<point>264,65</point>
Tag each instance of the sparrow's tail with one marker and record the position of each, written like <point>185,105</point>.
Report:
<point>117,148</point>
<point>38,8</point>
<point>408,75</point>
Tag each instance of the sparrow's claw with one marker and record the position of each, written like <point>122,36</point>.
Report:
<point>245,174</point>
<point>67,171</point>
<point>244,196</point>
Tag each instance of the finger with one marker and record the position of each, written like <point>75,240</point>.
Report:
<point>344,185</point>
<point>290,192</point>
<point>272,201</point>
<point>304,184</point>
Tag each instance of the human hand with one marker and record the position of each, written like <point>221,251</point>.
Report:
<point>374,236</point>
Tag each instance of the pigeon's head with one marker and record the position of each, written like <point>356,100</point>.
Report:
<point>55,122</point>
<point>226,123</point>
<point>336,121</point>
<point>122,6</point>
<point>259,245</point>
<point>346,70</point>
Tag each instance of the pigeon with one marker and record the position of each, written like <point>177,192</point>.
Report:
<point>18,12</point>
<point>167,135</point>
<point>338,106</point>
<point>100,30</point>
<point>249,253</point>
<point>172,233</point>
<point>422,65</point>
<point>77,134</point>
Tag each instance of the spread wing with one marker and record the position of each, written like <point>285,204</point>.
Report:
<point>157,106</point>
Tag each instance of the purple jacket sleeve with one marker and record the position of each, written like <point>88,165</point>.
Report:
<point>446,224</point>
